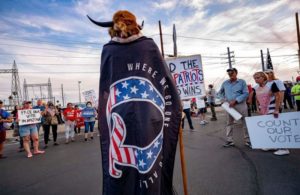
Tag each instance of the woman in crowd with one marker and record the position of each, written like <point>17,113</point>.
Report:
<point>89,114</point>
<point>268,97</point>
<point>27,131</point>
<point>70,118</point>
<point>50,120</point>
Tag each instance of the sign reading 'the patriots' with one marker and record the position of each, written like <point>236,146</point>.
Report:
<point>139,118</point>
<point>187,73</point>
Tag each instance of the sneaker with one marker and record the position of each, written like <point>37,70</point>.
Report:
<point>266,149</point>
<point>282,152</point>
<point>67,142</point>
<point>55,144</point>
<point>85,139</point>
<point>248,144</point>
<point>228,144</point>
<point>45,146</point>
<point>92,137</point>
<point>206,122</point>
<point>202,122</point>
<point>213,119</point>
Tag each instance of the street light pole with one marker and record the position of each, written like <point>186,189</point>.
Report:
<point>79,82</point>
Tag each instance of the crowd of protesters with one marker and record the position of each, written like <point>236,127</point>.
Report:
<point>51,116</point>
<point>270,95</point>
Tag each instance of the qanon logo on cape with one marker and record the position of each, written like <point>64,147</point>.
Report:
<point>132,90</point>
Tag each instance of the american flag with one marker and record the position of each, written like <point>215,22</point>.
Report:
<point>269,61</point>
<point>141,158</point>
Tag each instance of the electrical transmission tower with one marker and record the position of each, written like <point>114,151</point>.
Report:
<point>40,86</point>
<point>16,94</point>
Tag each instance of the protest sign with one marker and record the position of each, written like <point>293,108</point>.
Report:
<point>235,114</point>
<point>265,131</point>
<point>88,113</point>
<point>187,74</point>
<point>29,116</point>
<point>90,95</point>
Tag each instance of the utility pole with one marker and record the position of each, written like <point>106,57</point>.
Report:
<point>161,40</point>
<point>298,37</point>
<point>79,91</point>
<point>174,40</point>
<point>62,95</point>
<point>230,55</point>
<point>262,60</point>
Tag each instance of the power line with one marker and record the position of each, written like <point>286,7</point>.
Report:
<point>44,48</point>
<point>235,41</point>
<point>19,54</point>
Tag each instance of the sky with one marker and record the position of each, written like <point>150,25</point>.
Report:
<point>54,39</point>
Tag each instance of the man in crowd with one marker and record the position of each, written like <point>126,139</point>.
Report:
<point>235,92</point>
<point>296,92</point>
<point>4,118</point>
<point>41,107</point>
<point>211,98</point>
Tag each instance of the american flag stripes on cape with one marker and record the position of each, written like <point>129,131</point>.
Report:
<point>139,118</point>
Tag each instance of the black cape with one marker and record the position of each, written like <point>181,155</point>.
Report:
<point>139,118</point>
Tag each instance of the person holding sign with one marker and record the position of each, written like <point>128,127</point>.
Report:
<point>70,118</point>
<point>50,120</point>
<point>29,130</point>
<point>235,92</point>
<point>186,104</point>
<point>268,98</point>
<point>89,115</point>
<point>4,118</point>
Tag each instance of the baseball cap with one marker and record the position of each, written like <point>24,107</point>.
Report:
<point>232,69</point>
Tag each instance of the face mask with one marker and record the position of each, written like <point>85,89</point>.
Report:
<point>89,105</point>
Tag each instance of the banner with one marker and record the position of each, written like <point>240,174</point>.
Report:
<point>90,95</point>
<point>187,73</point>
<point>30,116</point>
<point>265,131</point>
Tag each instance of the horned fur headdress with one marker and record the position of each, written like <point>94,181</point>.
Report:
<point>123,25</point>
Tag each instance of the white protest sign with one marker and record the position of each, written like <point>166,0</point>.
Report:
<point>187,73</point>
<point>235,114</point>
<point>90,95</point>
<point>29,116</point>
<point>265,131</point>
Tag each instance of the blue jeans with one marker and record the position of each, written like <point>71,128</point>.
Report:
<point>89,126</point>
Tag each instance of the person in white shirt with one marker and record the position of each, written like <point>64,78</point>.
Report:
<point>187,110</point>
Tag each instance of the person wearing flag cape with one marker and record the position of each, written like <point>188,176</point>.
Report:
<point>139,112</point>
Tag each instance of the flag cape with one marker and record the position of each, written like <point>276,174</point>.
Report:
<point>139,118</point>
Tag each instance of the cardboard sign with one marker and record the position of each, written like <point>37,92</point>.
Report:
<point>265,131</point>
<point>187,73</point>
<point>90,95</point>
<point>29,116</point>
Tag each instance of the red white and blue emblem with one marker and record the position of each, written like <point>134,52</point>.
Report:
<point>132,89</point>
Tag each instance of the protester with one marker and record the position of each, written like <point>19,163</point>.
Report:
<point>253,101</point>
<point>296,92</point>
<point>77,126</point>
<point>272,79</point>
<point>4,118</point>
<point>27,131</point>
<point>211,98</point>
<point>59,117</point>
<point>89,115</point>
<point>16,127</point>
<point>50,120</point>
<point>235,92</point>
<point>70,118</point>
<point>41,107</point>
<point>288,96</point>
<point>201,104</point>
<point>136,90</point>
<point>187,111</point>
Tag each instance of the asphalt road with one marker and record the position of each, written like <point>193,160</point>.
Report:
<point>211,169</point>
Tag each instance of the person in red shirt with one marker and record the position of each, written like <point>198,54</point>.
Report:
<point>70,119</point>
